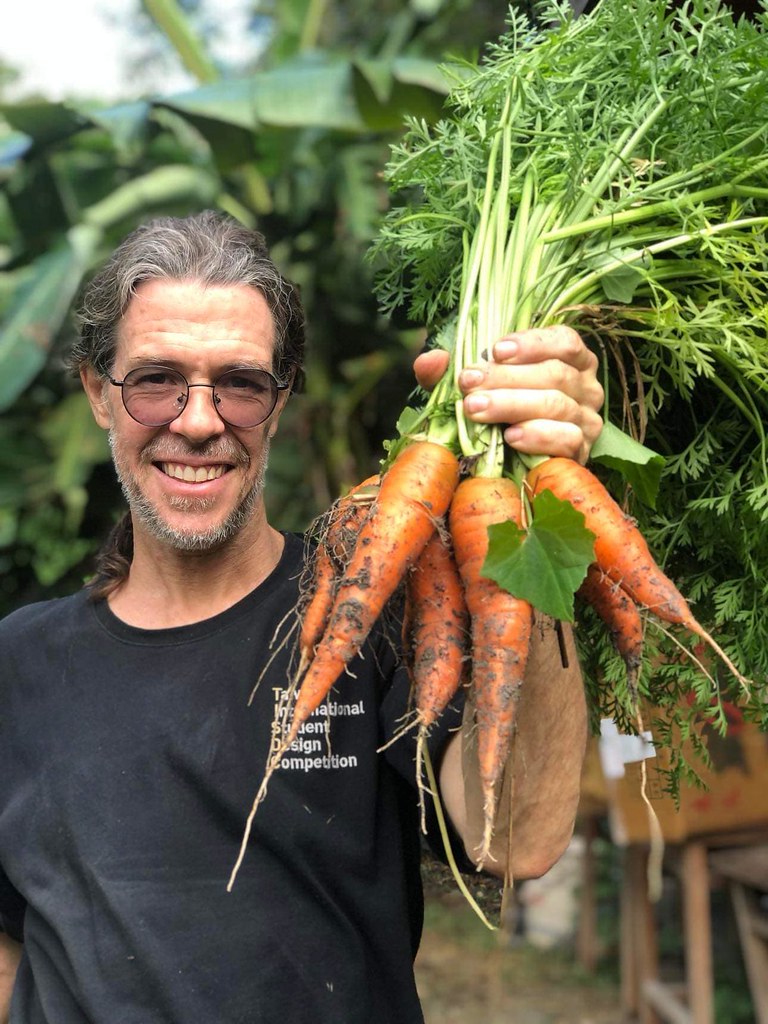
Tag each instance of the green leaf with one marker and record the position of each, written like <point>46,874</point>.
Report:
<point>302,92</point>
<point>621,284</point>
<point>386,91</point>
<point>44,122</point>
<point>310,92</point>
<point>8,526</point>
<point>546,564</point>
<point>231,102</point>
<point>640,466</point>
<point>231,146</point>
<point>408,417</point>
<point>620,280</point>
<point>418,71</point>
<point>171,18</point>
<point>39,311</point>
<point>37,204</point>
<point>157,188</point>
<point>378,76</point>
<point>127,123</point>
<point>321,92</point>
<point>13,147</point>
<point>77,443</point>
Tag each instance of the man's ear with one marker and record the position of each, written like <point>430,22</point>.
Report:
<point>272,428</point>
<point>94,389</point>
<point>282,401</point>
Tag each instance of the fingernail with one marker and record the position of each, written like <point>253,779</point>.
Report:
<point>471,378</point>
<point>476,403</point>
<point>513,434</point>
<point>506,349</point>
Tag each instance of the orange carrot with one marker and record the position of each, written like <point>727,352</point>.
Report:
<point>501,630</point>
<point>437,626</point>
<point>620,613</point>
<point>315,614</point>
<point>435,641</point>
<point>620,548</point>
<point>415,492</point>
<point>331,556</point>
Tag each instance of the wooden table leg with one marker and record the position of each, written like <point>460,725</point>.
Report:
<point>697,930</point>
<point>753,935</point>
<point>639,953</point>
<point>630,989</point>
<point>587,950</point>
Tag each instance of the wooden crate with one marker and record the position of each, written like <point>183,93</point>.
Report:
<point>735,797</point>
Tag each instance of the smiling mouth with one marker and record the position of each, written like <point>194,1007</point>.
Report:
<point>192,474</point>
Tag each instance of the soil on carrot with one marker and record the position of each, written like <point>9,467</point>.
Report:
<point>467,974</point>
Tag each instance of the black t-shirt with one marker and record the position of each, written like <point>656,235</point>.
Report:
<point>129,759</point>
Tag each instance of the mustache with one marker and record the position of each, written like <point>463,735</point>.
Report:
<point>222,449</point>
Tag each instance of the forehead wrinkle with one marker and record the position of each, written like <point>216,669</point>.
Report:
<point>173,325</point>
<point>172,363</point>
<point>183,351</point>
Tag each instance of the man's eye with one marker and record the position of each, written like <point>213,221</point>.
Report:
<point>154,378</point>
<point>253,384</point>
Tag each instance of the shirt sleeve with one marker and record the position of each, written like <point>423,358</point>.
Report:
<point>12,909</point>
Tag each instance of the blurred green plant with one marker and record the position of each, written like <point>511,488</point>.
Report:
<point>295,147</point>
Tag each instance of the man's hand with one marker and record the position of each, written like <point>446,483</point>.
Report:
<point>541,383</point>
<point>10,954</point>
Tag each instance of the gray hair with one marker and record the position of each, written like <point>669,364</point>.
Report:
<point>208,247</point>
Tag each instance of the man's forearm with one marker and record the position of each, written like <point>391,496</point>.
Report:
<point>543,777</point>
<point>10,954</point>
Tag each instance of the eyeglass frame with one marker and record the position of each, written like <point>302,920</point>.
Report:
<point>170,369</point>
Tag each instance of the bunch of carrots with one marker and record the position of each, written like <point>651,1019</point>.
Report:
<point>569,182</point>
<point>424,527</point>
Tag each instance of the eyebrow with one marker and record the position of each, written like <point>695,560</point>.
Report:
<point>176,364</point>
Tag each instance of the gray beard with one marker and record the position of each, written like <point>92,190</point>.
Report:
<point>144,512</point>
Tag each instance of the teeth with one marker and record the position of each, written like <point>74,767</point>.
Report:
<point>190,474</point>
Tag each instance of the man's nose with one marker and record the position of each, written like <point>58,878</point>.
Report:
<point>199,420</point>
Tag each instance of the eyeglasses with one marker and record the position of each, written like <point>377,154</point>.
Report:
<point>156,395</point>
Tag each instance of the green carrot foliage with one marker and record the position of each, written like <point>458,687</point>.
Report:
<point>611,171</point>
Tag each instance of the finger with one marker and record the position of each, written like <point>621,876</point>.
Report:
<point>548,437</point>
<point>430,366</point>
<point>538,344</point>
<point>571,428</point>
<point>548,374</point>
<point>553,437</point>
<point>591,426</point>
<point>515,405</point>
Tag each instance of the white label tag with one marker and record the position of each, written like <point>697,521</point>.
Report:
<point>618,749</point>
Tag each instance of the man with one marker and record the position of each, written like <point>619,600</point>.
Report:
<point>129,752</point>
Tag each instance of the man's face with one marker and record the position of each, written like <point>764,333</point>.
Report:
<point>202,332</point>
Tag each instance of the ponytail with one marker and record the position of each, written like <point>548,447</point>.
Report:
<point>113,561</point>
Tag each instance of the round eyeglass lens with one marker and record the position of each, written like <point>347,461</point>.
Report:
<point>245,398</point>
<point>154,395</point>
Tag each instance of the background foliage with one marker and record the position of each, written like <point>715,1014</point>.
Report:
<point>292,142</point>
